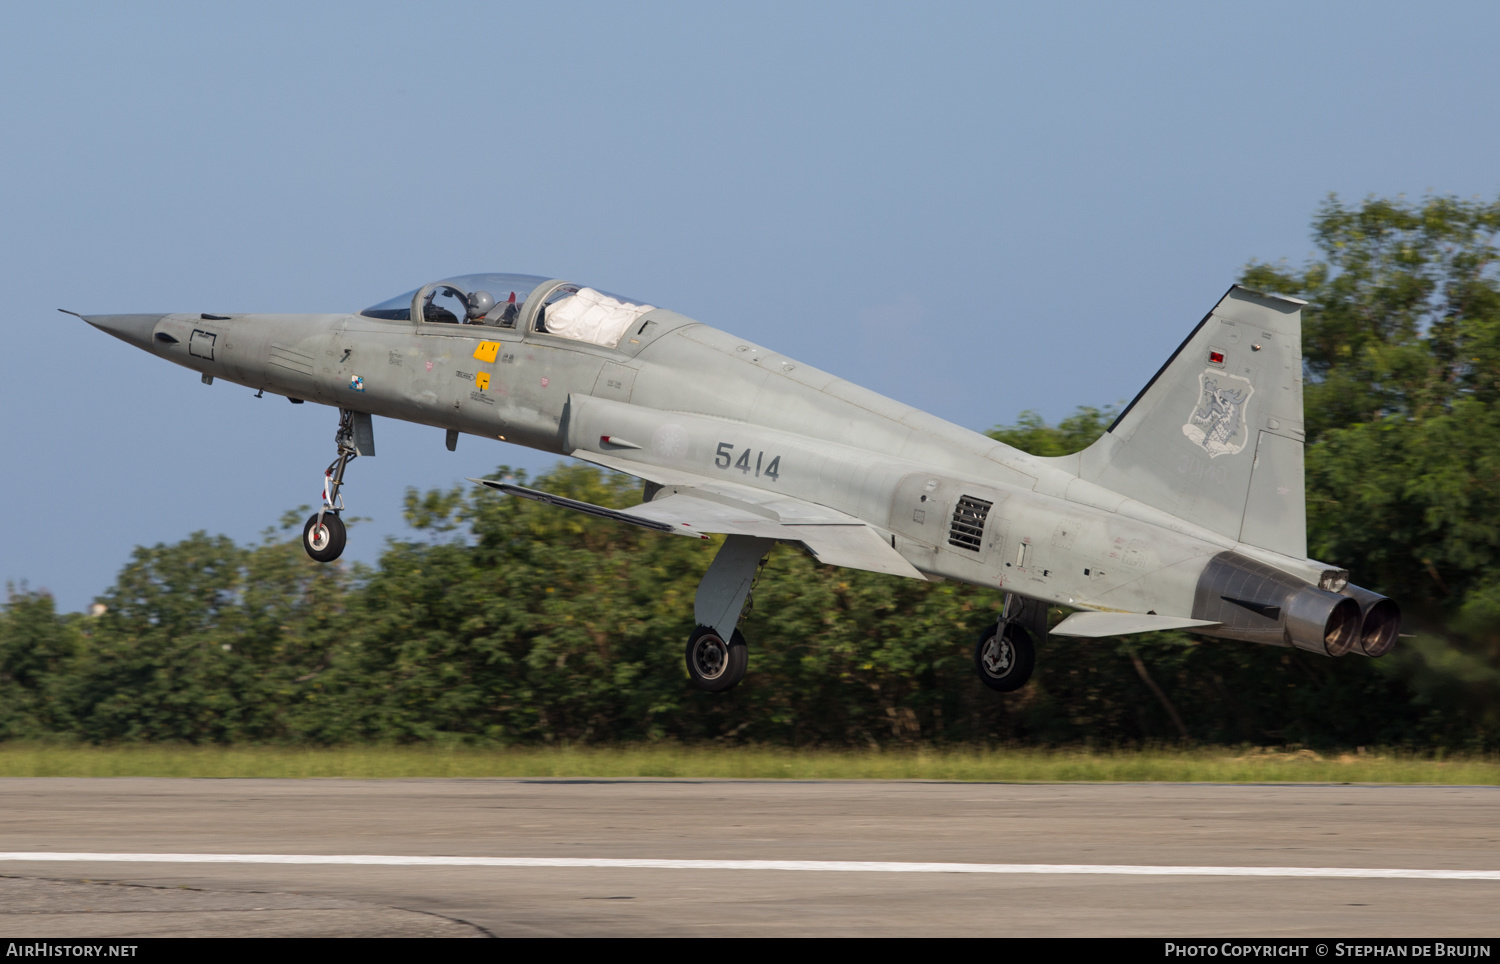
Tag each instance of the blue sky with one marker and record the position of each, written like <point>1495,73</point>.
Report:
<point>975,208</point>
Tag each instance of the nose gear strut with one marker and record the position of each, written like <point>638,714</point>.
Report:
<point>324,534</point>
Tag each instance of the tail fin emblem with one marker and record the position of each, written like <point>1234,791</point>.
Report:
<point>1217,423</point>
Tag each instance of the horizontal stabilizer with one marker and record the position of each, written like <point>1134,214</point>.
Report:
<point>1123,624</point>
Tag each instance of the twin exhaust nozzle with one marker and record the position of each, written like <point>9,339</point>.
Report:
<point>1374,627</point>
<point>1260,604</point>
<point>1353,620</point>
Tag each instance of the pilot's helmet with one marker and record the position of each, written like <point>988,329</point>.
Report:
<point>480,303</point>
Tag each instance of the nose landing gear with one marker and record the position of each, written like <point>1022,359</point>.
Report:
<point>324,534</point>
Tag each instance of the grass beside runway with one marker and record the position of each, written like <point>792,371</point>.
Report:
<point>1205,765</point>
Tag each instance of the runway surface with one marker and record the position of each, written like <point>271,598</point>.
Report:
<point>141,857</point>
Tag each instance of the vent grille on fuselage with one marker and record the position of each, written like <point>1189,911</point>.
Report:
<point>967,530</point>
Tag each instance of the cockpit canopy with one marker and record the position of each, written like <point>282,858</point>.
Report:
<point>509,291</point>
<point>499,300</point>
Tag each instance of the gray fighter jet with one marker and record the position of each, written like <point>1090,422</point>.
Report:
<point>1187,514</point>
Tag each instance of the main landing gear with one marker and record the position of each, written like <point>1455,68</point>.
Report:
<point>1005,654</point>
<point>324,534</point>
<point>717,655</point>
<point>713,664</point>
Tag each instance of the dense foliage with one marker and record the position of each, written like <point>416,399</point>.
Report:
<point>508,621</point>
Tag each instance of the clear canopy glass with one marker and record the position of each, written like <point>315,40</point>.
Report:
<point>509,292</point>
<point>571,311</point>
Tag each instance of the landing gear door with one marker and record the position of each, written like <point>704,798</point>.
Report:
<point>1034,614</point>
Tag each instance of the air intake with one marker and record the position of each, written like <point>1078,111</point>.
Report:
<point>967,530</point>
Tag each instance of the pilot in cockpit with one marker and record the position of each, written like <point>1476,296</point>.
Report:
<point>480,309</point>
<point>480,303</point>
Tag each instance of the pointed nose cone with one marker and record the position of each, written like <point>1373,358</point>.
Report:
<point>133,329</point>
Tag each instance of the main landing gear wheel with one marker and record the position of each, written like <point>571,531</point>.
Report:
<point>1004,664</point>
<point>324,541</point>
<point>713,664</point>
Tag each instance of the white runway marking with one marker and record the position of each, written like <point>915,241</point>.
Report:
<point>826,866</point>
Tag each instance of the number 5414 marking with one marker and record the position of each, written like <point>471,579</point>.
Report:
<point>725,459</point>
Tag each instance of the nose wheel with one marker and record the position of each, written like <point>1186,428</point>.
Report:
<point>324,538</point>
<point>324,534</point>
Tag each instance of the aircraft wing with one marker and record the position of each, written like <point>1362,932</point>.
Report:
<point>698,506</point>
<point>788,510</point>
<point>851,544</point>
<point>562,502</point>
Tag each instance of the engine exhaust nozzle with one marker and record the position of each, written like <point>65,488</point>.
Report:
<point>1252,601</point>
<point>1322,622</point>
<point>1380,622</point>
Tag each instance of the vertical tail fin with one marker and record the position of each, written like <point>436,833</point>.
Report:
<point>1215,437</point>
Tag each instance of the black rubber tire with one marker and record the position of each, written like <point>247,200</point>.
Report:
<point>712,664</point>
<point>330,545</point>
<point>1010,668</point>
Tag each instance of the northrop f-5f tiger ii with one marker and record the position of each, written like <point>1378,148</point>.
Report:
<point>1188,513</point>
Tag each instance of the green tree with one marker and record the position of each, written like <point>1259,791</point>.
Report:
<point>204,641</point>
<point>1076,432</point>
<point>1402,345</point>
<point>37,648</point>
